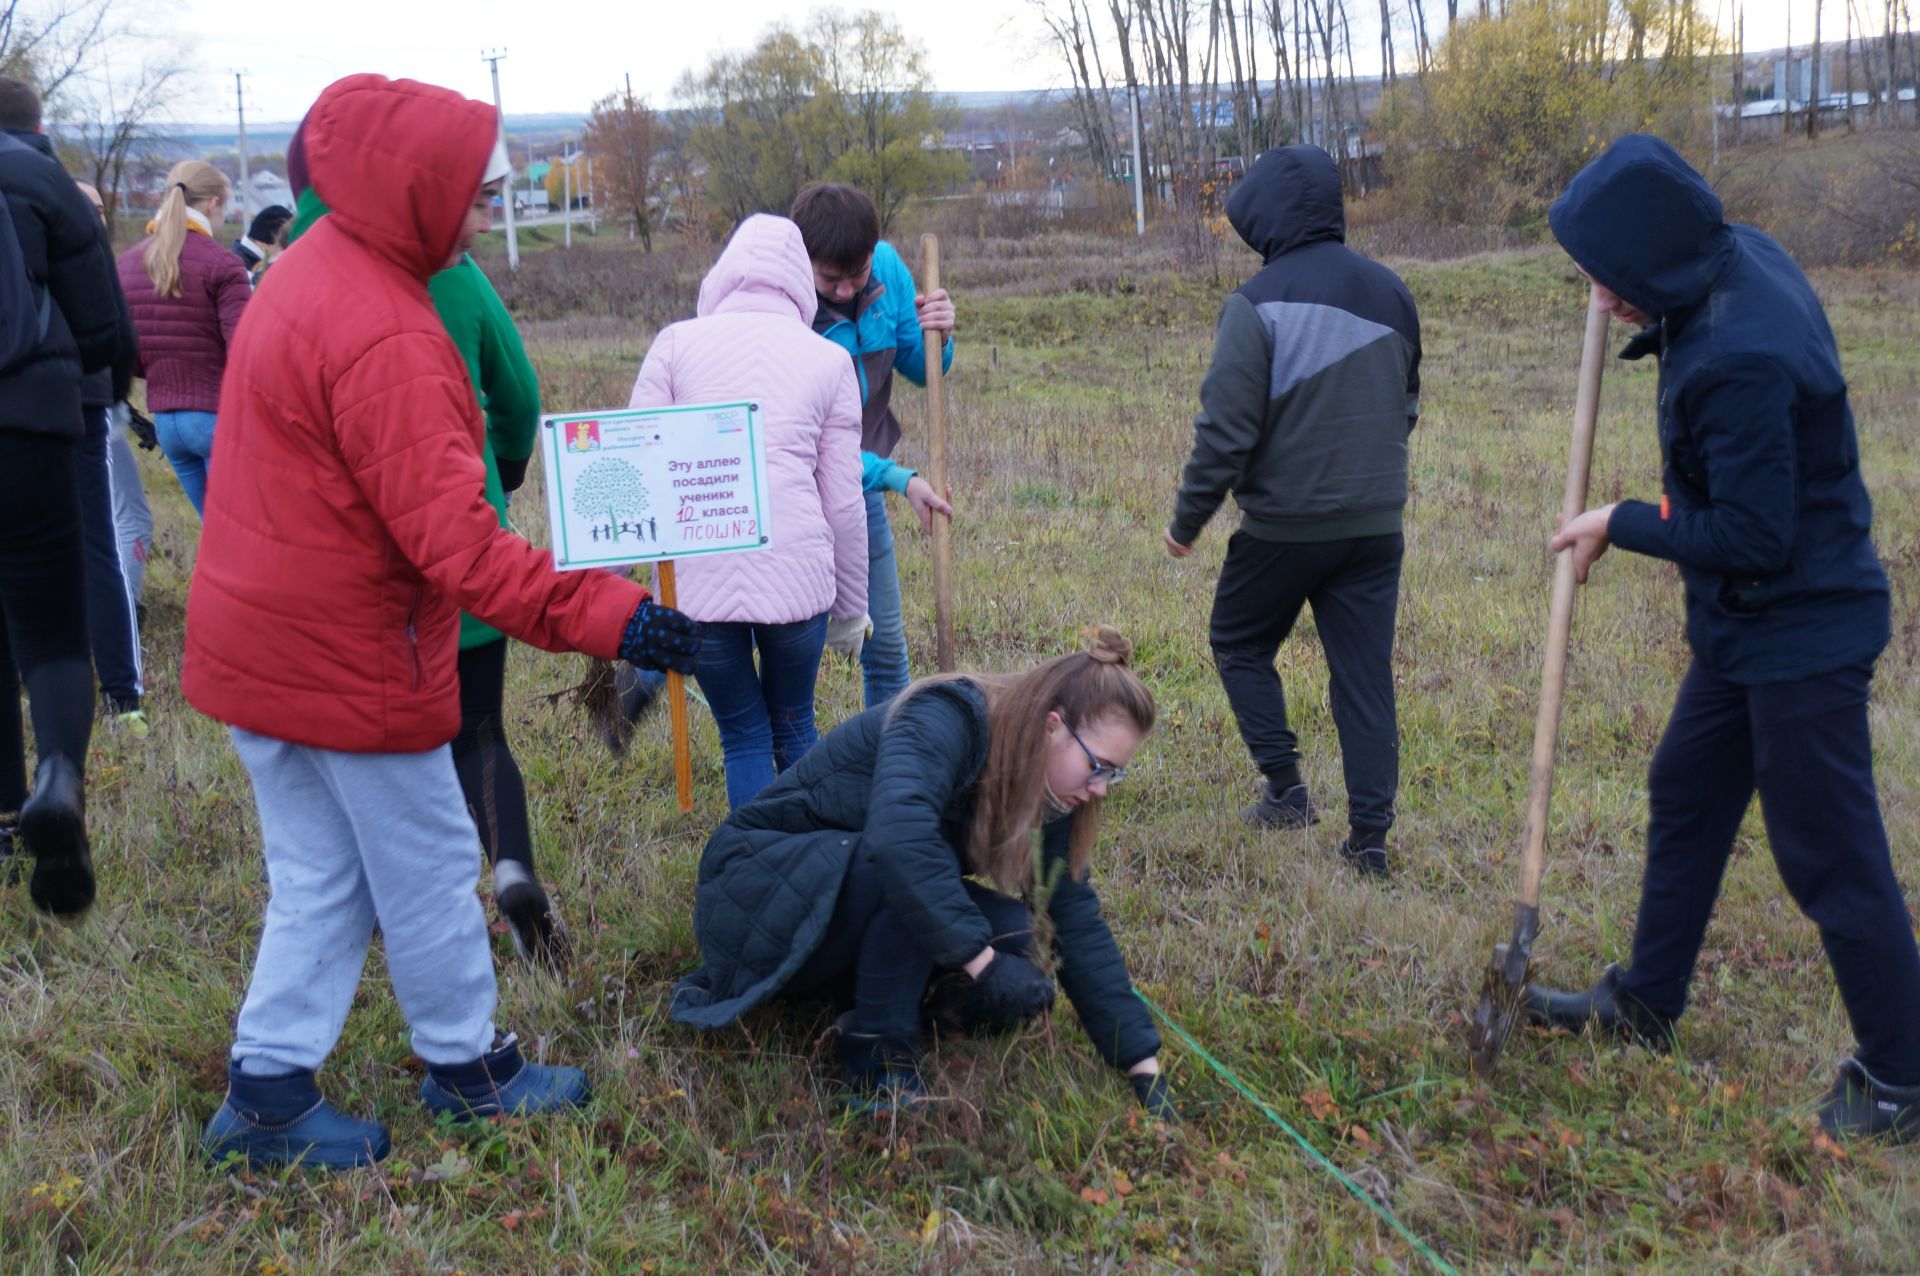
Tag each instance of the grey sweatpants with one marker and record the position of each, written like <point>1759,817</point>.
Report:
<point>353,839</point>
<point>132,520</point>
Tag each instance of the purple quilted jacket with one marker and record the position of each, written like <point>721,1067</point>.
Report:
<point>183,340</point>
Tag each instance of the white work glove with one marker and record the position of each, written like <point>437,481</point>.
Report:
<point>848,636</point>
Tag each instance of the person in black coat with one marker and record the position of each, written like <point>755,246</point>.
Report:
<point>1766,515</point>
<point>43,610</point>
<point>848,877</point>
<point>261,244</point>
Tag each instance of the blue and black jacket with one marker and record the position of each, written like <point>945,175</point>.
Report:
<point>1315,381</point>
<point>1764,508</point>
<point>880,329</point>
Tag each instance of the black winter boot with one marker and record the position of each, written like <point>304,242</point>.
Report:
<point>1604,1007</point>
<point>1861,1106</point>
<point>882,1073</point>
<point>53,826</point>
<point>1365,850</point>
<point>1289,808</point>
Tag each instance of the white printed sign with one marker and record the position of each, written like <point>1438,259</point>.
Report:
<point>639,485</point>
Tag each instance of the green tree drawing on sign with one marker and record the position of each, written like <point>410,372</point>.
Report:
<point>612,488</point>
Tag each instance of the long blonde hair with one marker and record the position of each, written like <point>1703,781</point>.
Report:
<point>189,181</point>
<point>1082,688</point>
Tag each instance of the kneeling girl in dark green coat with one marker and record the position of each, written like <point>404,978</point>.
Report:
<point>849,877</point>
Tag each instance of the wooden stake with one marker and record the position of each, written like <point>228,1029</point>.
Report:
<point>677,707</point>
<point>937,465</point>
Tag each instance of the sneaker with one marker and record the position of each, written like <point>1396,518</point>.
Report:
<point>1605,1007</point>
<point>131,722</point>
<point>53,827</point>
<point>638,690</point>
<point>1365,850</point>
<point>882,1074</point>
<point>1858,1106</point>
<point>538,934</point>
<point>282,1120</point>
<point>502,1083</point>
<point>1291,808</point>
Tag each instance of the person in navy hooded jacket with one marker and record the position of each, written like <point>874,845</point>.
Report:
<point>1766,515</point>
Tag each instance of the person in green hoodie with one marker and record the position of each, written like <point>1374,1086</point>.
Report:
<point>509,393</point>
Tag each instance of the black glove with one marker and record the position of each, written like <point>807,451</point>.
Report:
<point>512,473</point>
<point>661,638</point>
<point>1009,992</point>
<point>1155,1095</point>
<point>143,430</point>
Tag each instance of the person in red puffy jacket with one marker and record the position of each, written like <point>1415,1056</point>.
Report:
<point>186,294</point>
<point>349,529</point>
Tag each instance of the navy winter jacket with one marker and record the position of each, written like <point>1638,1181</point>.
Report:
<point>1765,510</point>
<point>896,785</point>
<point>63,243</point>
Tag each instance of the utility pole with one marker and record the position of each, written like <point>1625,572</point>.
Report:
<point>492,59</point>
<point>1139,199</point>
<point>240,103</point>
<point>566,179</point>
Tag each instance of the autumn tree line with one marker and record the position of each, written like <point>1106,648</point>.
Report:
<point>1474,111</point>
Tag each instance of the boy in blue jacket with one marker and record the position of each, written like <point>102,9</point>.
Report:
<point>1766,515</point>
<point>869,308</point>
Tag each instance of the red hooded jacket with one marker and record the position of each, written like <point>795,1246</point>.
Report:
<point>350,524</point>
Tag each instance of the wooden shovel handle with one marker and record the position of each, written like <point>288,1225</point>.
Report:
<point>677,707</point>
<point>1553,675</point>
<point>934,343</point>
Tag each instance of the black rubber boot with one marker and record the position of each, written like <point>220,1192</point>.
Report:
<point>53,827</point>
<point>1290,808</point>
<point>1861,1106</point>
<point>882,1074</point>
<point>1605,1008</point>
<point>538,934</point>
<point>1365,851</point>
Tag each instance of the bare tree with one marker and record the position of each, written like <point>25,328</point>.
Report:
<point>48,44</point>
<point>111,124</point>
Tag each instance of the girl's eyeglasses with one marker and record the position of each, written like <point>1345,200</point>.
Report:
<point>1101,770</point>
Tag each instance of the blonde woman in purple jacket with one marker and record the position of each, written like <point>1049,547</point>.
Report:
<point>753,341</point>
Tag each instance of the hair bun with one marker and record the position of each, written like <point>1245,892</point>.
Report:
<point>1110,646</point>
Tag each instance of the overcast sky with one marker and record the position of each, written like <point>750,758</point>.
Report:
<point>562,57</point>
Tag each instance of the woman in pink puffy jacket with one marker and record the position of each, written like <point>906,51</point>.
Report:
<point>753,341</point>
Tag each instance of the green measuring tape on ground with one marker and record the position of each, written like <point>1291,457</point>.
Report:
<point>1360,1194</point>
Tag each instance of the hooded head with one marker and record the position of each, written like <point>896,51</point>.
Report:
<point>1644,225</point>
<point>399,163</point>
<point>765,268</point>
<point>1290,197</point>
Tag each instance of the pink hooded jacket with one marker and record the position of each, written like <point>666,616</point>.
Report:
<point>753,340</point>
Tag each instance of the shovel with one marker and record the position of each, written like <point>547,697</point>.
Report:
<point>1506,978</point>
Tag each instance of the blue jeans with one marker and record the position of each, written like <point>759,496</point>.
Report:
<point>765,717</point>
<point>884,658</point>
<point>186,440</point>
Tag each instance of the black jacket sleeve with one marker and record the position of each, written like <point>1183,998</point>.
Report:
<point>127,342</point>
<point>1232,417</point>
<point>1090,967</point>
<point>929,752</point>
<point>1740,414</point>
<point>80,272</point>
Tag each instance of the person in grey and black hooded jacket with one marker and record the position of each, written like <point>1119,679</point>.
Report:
<point>1304,417</point>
